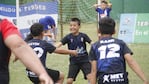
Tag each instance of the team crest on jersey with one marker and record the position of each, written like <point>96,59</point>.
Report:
<point>82,39</point>
<point>71,40</point>
<point>113,78</point>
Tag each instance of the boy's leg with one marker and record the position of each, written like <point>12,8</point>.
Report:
<point>89,78</point>
<point>61,78</point>
<point>69,80</point>
<point>86,69</point>
<point>58,77</point>
<point>73,72</point>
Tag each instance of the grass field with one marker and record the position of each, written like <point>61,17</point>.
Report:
<point>60,62</point>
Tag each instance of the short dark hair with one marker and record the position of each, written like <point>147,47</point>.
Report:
<point>76,20</point>
<point>36,29</point>
<point>107,26</point>
<point>105,2</point>
<point>28,37</point>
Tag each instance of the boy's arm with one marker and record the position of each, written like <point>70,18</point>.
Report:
<point>136,68</point>
<point>96,6</point>
<point>47,33</point>
<point>93,71</point>
<point>91,42</point>
<point>58,44</point>
<point>65,51</point>
<point>109,5</point>
<point>54,31</point>
<point>27,57</point>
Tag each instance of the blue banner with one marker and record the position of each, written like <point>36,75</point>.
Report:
<point>8,10</point>
<point>29,13</point>
<point>39,8</point>
<point>30,8</point>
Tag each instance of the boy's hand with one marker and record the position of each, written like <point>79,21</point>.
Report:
<point>110,5</point>
<point>45,79</point>
<point>96,5</point>
<point>47,34</point>
<point>74,53</point>
<point>146,82</point>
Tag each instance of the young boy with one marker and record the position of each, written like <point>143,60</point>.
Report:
<point>103,9</point>
<point>11,42</point>
<point>49,28</point>
<point>108,56</point>
<point>77,41</point>
<point>41,48</point>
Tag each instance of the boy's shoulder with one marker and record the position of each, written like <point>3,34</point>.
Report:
<point>96,43</point>
<point>81,33</point>
<point>119,40</point>
<point>111,39</point>
<point>68,36</point>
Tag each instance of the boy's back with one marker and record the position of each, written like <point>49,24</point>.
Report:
<point>110,55</point>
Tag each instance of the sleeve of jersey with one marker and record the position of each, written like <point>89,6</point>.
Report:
<point>8,29</point>
<point>87,39</point>
<point>109,9</point>
<point>98,10</point>
<point>64,40</point>
<point>127,50</point>
<point>49,47</point>
<point>92,55</point>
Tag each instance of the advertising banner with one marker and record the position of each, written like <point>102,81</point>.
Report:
<point>29,13</point>
<point>142,29</point>
<point>134,28</point>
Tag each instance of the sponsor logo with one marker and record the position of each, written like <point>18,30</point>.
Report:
<point>113,78</point>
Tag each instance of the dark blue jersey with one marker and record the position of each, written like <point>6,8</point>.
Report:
<point>109,54</point>
<point>103,12</point>
<point>41,48</point>
<point>77,43</point>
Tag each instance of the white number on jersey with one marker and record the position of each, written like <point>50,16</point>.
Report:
<point>39,51</point>
<point>109,51</point>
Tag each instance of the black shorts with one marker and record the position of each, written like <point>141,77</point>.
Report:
<point>54,74</point>
<point>75,68</point>
<point>113,78</point>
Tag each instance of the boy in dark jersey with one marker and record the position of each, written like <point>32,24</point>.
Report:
<point>77,41</point>
<point>41,48</point>
<point>11,41</point>
<point>103,9</point>
<point>108,56</point>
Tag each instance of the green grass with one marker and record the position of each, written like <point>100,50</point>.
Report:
<point>61,62</point>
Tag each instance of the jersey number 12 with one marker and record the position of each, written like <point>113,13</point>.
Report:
<point>109,51</point>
